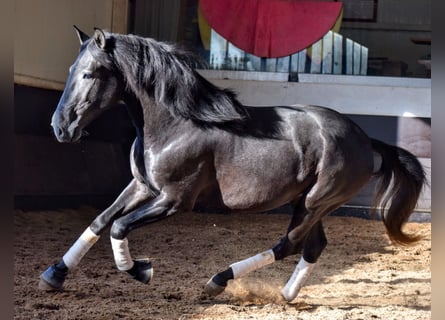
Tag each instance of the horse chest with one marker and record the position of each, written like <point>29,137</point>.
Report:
<point>154,168</point>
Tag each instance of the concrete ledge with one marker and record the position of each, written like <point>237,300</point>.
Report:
<point>360,97</point>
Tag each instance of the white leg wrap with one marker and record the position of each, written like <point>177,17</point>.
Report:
<point>73,256</point>
<point>121,253</point>
<point>243,267</point>
<point>297,279</point>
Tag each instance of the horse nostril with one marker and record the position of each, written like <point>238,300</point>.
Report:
<point>57,131</point>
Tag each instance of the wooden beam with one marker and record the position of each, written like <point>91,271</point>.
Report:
<point>119,22</point>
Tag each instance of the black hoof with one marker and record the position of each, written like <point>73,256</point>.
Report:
<point>212,288</point>
<point>142,270</point>
<point>53,277</point>
<point>218,283</point>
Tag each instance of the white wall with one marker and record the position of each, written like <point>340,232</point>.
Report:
<point>347,94</point>
<point>45,42</point>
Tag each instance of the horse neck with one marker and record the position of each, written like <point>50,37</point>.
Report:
<point>151,121</point>
<point>135,112</point>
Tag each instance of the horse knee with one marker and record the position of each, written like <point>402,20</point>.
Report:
<point>118,230</point>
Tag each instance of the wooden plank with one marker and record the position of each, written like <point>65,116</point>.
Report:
<point>316,57</point>
<point>119,20</point>
<point>302,56</point>
<point>38,82</point>
<point>327,54</point>
<point>293,63</point>
<point>356,58</point>
<point>253,63</point>
<point>271,65</point>
<point>218,50</point>
<point>235,58</point>
<point>283,64</point>
<point>337,67</point>
<point>364,61</point>
<point>348,56</point>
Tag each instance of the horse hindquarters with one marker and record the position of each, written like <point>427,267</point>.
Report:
<point>342,166</point>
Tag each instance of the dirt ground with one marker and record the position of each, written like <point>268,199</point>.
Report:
<point>359,276</point>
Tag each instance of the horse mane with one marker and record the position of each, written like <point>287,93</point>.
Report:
<point>166,72</point>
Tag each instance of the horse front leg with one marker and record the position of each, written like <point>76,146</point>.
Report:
<point>152,211</point>
<point>54,277</point>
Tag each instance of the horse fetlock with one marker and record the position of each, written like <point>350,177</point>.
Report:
<point>53,277</point>
<point>142,270</point>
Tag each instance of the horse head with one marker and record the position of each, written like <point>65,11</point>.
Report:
<point>92,86</point>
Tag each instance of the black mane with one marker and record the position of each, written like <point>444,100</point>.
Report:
<point>167,74</point>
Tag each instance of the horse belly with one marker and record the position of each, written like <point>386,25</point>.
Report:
<point>260,184</point>
<point>257,198</point>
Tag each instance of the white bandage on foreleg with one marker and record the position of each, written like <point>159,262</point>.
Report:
<point>297,279</point>
<point>73,256</point>
<point>121,253</point>
<point>243,267</point>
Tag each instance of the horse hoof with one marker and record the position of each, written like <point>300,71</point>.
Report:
<point>52,278</point>
<point>213,289</point>
<point>288,295</point>
<point>142,270</point>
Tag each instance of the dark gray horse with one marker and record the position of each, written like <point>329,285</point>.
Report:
<point>197,145</point>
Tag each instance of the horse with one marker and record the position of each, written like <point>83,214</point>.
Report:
<point>197,146</point>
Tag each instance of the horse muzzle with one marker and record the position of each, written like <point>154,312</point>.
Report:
<point>63,131</point>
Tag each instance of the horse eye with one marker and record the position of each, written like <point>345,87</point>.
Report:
<point>87,76</point>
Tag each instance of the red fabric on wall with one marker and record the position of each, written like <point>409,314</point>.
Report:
<point>271,28</point>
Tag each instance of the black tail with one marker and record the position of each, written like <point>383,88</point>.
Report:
<point>402,178</point>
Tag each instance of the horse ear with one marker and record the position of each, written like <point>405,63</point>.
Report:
<point>99,38</point>
<point>81,35</point>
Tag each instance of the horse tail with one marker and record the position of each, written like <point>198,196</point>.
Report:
<point>401,179</point>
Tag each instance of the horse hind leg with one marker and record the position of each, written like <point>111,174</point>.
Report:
<point>313,247</point>
<point>310,238</point>
<point>324,197</point>
<point>219,281</point>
